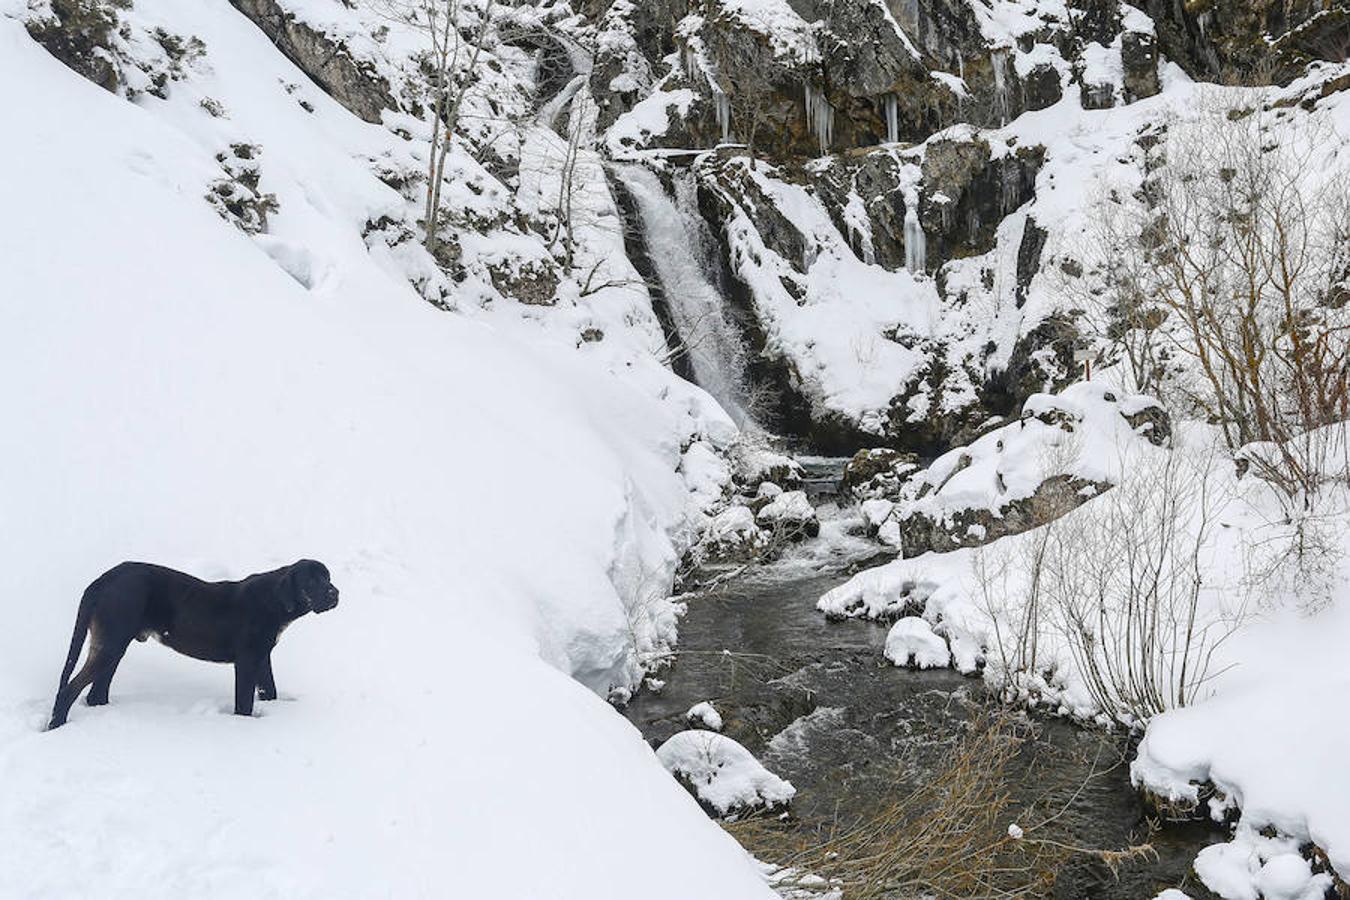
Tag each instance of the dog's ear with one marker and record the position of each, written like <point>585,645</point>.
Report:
<point>288,594</point>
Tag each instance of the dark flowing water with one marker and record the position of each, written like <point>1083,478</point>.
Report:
<point>817,702</point>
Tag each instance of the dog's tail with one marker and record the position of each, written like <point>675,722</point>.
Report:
<point>82,617</point>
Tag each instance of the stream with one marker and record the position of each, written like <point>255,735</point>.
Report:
<point>819,705</point>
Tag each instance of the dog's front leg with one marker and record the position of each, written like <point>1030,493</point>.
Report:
<point>245,685</point>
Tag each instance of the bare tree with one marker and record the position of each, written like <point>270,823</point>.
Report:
<point>750,105</point>
<point>1236,259</point>
<point>450,65</point>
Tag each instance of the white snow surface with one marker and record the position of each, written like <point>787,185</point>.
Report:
<point>1273,739</point>
<point>726,776</point>
<point>176,393</point>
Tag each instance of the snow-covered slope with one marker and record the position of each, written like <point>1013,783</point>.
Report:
<point>176,391</point>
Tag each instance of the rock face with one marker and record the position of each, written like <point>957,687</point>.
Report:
<point>1244,39</point>
<point>1041,88</point>
<point>329,63</point>
<point>80,35</point>
<point>1139,59</point>
<point>967,192</point>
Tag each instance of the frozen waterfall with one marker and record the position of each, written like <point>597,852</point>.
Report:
<point>892,118</point>
<point>998,62</point>
<point>916,243</point>
<point>723,104</point>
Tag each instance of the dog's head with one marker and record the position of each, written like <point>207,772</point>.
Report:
<point>308,588</point>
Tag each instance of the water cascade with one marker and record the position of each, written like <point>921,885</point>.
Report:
<point>916,243</point>
<point>892,118</point>
<point>711,342</point>
<point>819,117</point>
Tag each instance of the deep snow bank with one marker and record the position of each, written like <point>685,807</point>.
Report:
<point>173,392</point>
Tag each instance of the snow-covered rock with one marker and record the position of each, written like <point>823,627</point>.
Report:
<point>704,714</point>
<point>723,775</point>
<point>732,534</point>
<point>1064,450</point>
<point>790,515</point>
<point>912,642</point>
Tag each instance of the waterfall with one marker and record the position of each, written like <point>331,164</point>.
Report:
<point>998,61</point>
<point>713,344</point>
<point>916,243</point>
<point>723,104</point>
<point>892,118</point>
<point>819,117</point>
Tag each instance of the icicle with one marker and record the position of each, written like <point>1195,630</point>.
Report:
<point>1011,184</point>
<point>916,243</point>
<point>723,104</point>
<point>998,60</point>
<point>892,118</point>
<point>819,117</point>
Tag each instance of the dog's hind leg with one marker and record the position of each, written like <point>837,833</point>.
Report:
<point>71,689</point>
<point>111,653</point>
<point>267,686</point>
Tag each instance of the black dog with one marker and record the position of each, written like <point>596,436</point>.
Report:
<point>225,621</point>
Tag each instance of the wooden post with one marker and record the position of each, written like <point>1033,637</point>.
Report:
<point>1084,357</point>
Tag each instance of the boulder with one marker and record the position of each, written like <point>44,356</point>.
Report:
<point>732,535</point>
<point>1041,88</point>
<point>877,472</point>
<point>725,777</point>
<point>704,715</point>
<point>912,642</point>
<point>790,516</point>
<point>976,525</point>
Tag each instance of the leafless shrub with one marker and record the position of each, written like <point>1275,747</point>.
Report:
<point>1126,579</point>
<point>959,835</point>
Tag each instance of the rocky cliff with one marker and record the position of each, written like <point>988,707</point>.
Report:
<point>900,193</point>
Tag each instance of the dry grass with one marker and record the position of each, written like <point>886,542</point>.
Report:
<point>949,839</point>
